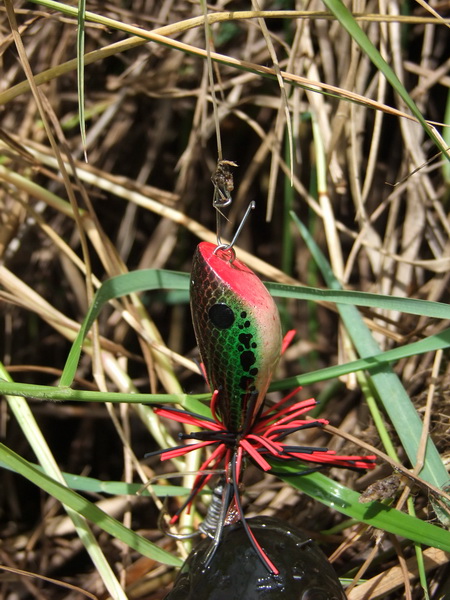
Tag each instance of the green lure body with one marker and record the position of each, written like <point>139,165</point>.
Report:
<point>238,331</point>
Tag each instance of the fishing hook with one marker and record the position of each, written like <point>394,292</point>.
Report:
<point>223,182</point>
<point>164,527</point>
<point>227,247</point>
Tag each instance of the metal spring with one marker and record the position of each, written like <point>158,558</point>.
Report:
<point>209,525</point>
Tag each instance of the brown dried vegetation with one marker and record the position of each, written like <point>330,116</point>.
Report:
<point>146,200</point>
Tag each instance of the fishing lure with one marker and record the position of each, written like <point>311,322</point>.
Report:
<point>239,336</point>
<point>235,571</point>
<point>237,326</point>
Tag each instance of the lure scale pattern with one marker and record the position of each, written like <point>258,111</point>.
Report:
<point>238,331</point>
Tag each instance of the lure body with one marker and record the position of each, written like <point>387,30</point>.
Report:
<point>238,331</point>
<point>236,571</point>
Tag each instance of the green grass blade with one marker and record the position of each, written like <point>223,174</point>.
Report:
<point>378,515</point>
<point>346,19</point>
<point>446,137</point>
<point>19,407</point>
<point>82,483</point>
<point>85,508</point>
<point>136,281</point>
<point>80,71</point>
<point>154,279</point>
<point>391,392</point>
<point>412,306</point>
<point>48,392</point>
<point>430,344</point>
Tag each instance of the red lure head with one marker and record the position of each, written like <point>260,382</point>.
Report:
<point>238,331</point>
